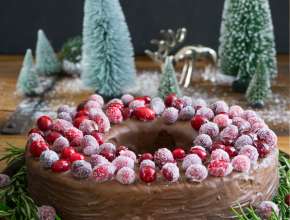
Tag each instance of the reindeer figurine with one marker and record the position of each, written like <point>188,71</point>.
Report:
<point>190,55</point>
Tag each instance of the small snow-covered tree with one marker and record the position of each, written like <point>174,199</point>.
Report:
<point>246,34</point>
<point>107,53</point>
<point>47,62</point>
<point>260,87</point>
<point>168,82</point>
<point>27,80</point>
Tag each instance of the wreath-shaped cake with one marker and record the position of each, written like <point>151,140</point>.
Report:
<point>143,158</point>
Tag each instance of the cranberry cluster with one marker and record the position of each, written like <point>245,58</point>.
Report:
<point>229,138</point>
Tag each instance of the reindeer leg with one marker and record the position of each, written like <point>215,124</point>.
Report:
<point>189,74</point>
<point>183,73</point>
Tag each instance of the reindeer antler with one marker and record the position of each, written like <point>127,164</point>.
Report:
<point>166,44</point>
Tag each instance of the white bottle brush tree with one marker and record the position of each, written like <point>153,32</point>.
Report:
<point>27,82</point>
<point>246,33</point>
<point>47,63</point>
<point>107,53</point>
<point>260,87</point>
<point>168,82</point>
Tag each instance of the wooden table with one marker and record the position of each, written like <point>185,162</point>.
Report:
<point>9,69</point>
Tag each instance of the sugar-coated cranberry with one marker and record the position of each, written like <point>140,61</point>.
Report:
<point>126,176</point>
<point>102,121</point>
<point>251,152</point>
<point>163,156</point>
<point>267,136</point>
<point>198,103</point>
<point>81,169</point>
<point>241,163</point>
<point>128,153</point>
<point>61,126</point>
<point>37,147</point>
<point>76,156</point>
<point>189,160</point>
<point>114,115</point>
<point>199,151</point>
<point>178,153</point>
<point>219,154</point>
<point>34,137</point>
<point>127,113</point>
<point>90,150</point>
<point>97,98</point>
<point>44,123</point>
<point>82,113</point>
<point>248,114</point>
<point>47,158</point>
<point>263,149</point>
<point>77,143</point>
<point>235,111</point>
<point>147,163</point>
<point>178,104</point>
<point>136,104</point>
<point>123,161</point>
<point>196,173</point>
<point>67,152</point>
<point>121,148</point>
<point>5,180</point>
<point>45,212</point>
<point>103,172</point>
<point>187,100</point>
<point>89,140</point>
<point>203,140</point>
<point>147,174</point>
<point>219,168</point>
<point>243,125</point>
<point>108,147</point>
<point>205,112</point>
<point>146,99</point>
<point>217,145</point>
<point>110,156</point>
<point>91,104</point>
<point>232,152</point>
<point>266,209</point>
<point>220,107</point>
<point>73,133</point>
<point>144,114</point>
<point>157,105</point>
<point>35,130</point>
<point>98,136</point>
<point>170,115</point>
<point>242,141</point>
<point>87,126</point>
<point>51,136</point>
<point>146,156</point>
<point>222,120</point>
<point>127,98</point>
<point>60,143</point>
<point>197,121</point>
<point>229,134</point>
<point>186,113</point>
<point>78,121</point>
<point>65,116</point>
<point>60,166</point>
<point>170,172</point>
<point>170,99</point>
<point>210,129</point>
<point>97,159</point>
<point>115,103</point>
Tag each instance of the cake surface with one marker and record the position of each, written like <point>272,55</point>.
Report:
<point>83,193</point>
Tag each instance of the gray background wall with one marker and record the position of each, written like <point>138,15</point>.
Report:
<point>60,19</point>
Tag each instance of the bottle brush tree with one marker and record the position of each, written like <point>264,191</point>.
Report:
<point>168,82</point>
<point>27,81</point>
<point>246,33</point>
<point>260,87</point>
<point>107,53</point>
<point>47,62</point>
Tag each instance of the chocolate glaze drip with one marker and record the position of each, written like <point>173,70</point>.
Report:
<point>211,199</point>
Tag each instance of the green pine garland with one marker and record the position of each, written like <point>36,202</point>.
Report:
<point>72,50</point>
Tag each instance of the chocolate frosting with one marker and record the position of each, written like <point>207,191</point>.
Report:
<point>210,199</point>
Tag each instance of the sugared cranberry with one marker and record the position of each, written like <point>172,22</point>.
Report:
<point>196,173</point>
<point>178,104</point>
<point>123,161</point>
<point>110,156</point>
<point>35,130</point>
<point>189,160</point>
<point>170,172</point>
<point>127,113</point>
<point>217,145</point>
<point>114,115</point>
<point>103,172</point>
<point>146,156</point>
<point>263,149</point>
<point>126,176</point>
<point>163,156</point>
<point>205,112</point>
<point>37,147</point>
<point>220,154</point>
<point>203,140</point>
<point>73,133</point>
<point>147,163</point>
<point>178,153</point>
<point>76,156</point>
<point>232,152</point>
<point>144,114</point>
<point>67,152</point>
<point>121,148</point>
<point>127,98</point>
<point>146,99</point>
<point>219,168</point>
<point>51,136</point>
<point>199,151</point>
<point>210,129</point>
<point>170,115</point>
<point>115,104</point>
<point>60,166</point>
<point>99,136</point>
<point>197,121</point>
<point>147,174</point>
<point>170,99</point>
<point>77,121</point>
<point>44,123</point>
<point>82,113</point>
<point>266,209</point>
<point>241,163</point>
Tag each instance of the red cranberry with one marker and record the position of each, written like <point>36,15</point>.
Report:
<point>178,153</point>
<point>232,152</point>
<point>117,105</point>
<point>82,113</point>
<point>287,199</point>
<point>81,106</point>
<point>197,121</point>
<point>98,136</point>
<point>147,174</point>
<point>146,156</point>
<point>77,121</point>
<point>44,123</point>
<point>263,149</point>
<point>37,147</point>
<point>110,156</point>
<point>144,114</point>
<point>199,152</point>
<point>35,130</point>
<point>67,152</point>
<point>217,145</point>
<point>76,156</point>
<point>52,136</point>
<point>146,99</point>
<point>170,99</point>
<point>127,113</point>
<point>178,104</point>
<point>60,166</point>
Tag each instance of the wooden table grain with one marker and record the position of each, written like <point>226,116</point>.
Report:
<point>9,69</point>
